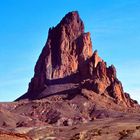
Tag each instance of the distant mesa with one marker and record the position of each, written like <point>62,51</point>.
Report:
<point>67,65</point>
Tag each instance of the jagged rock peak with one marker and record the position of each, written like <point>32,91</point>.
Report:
<point>66,48</point>
<point>67,59</point>
<point>71,24</point>
<point>73,17</point>
<point>65,51</point>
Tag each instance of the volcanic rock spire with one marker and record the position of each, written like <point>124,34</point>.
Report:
<point>67,62</point>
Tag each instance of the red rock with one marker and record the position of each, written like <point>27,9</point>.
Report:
<point>67,57</point>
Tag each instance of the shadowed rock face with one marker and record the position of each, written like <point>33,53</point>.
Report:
<point>67,63</point>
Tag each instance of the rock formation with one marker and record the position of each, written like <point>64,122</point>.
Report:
<point>67,64</point>
<point>73,87</point>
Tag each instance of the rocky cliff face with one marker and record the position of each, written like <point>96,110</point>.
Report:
<point>67,62</point>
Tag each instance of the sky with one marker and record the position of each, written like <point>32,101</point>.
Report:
<point>115,31</point>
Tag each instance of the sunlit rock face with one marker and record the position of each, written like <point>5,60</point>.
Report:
<point>67,62</point>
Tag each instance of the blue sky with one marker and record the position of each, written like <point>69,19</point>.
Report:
<point>24,24</point>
